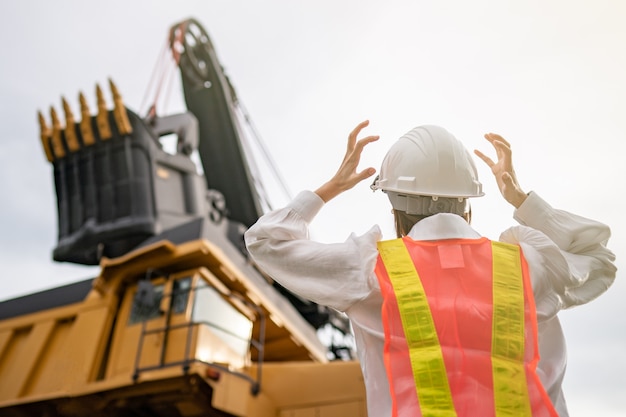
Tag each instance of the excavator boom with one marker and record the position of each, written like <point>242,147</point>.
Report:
<point>210,96</point>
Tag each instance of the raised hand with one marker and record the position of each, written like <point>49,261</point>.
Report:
<point>503,170</point>
<point>347,175</point>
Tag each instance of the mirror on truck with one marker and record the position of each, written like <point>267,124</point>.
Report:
<point>147,302</point>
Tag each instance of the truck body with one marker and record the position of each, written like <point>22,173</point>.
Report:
<point>178,322</point>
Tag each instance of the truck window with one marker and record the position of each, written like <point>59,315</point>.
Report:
<point>234,328</point>
<point>180,294</point>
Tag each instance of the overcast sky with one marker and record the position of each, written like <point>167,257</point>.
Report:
<point>547,75</point>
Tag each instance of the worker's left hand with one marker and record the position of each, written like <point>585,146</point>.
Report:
<point>503,170</point>
<point>347,175</point>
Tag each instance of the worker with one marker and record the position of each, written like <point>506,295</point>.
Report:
<point>470,326</point>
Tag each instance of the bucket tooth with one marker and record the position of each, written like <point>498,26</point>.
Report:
<point>57,142</point>
<point>102,118</point>
<point>46,135</point>
<point>119,111</point>
<point>70,127</point>
<point>85,123</point>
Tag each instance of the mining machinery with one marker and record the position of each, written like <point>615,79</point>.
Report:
<point>178,320</point>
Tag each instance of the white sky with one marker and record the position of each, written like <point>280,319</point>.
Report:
<point>547,75</point>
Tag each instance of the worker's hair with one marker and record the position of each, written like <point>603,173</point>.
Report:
<point>404,222</point>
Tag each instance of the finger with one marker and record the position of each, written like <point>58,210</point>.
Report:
<point>355,132</point>
<point>367,140</point>
<point>492,137</point>
<point>485,158</point>
<point>507,179</point>
<point>502,149</point>
<point>354,152</point>
<point>366,173</point>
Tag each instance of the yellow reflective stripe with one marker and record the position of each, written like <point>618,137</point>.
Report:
<point>429,371</point>
<point>507,345</point>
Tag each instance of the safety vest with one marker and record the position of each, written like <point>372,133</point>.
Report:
<point>460,329</point>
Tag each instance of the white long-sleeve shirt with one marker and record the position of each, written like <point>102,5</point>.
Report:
<point>567,256</point>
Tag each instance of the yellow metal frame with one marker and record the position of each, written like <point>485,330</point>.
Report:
<point>70,358</point>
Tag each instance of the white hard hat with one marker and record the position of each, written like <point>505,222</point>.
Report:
<point>428,161</point>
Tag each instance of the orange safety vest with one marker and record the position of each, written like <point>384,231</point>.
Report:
<point>460,329</point>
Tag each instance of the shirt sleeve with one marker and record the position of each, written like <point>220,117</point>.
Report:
<point>336,275</point>
<point>567,255</point>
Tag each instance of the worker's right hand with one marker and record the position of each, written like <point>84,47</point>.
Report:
<point>347,175</point>
<point>503,170</point>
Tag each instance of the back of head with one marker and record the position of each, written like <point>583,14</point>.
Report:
<point>429,171</point>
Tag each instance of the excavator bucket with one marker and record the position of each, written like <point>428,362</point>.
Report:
<point>110,176</point>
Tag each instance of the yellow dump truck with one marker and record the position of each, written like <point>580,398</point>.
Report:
<point>178,322</point>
